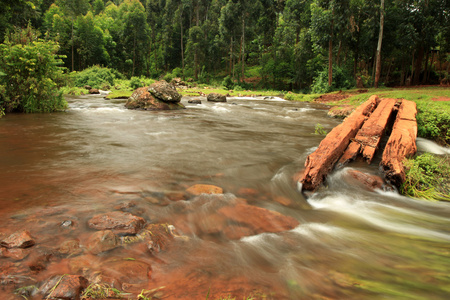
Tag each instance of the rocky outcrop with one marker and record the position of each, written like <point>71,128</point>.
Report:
<point>215,97</point>
<point>159,96</point>
<point>119,222</point>
<point>401,143</point>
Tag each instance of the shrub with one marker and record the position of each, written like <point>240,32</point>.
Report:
<point>341,80</point>
<point>96,77</point>
<point>228,83</point>
<point>427,177</point>
<point>135,82</point>
<point>32,69</point>
<point>433,121</point>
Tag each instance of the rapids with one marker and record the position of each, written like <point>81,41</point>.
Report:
<point>351,243</point>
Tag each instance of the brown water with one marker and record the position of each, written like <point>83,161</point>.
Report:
<point>350,244</point>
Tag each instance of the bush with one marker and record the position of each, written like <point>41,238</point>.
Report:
<point>433,121</point>
<point>96,77</point>
<point>228,83</point>
<point>135,82</point>
<point>341,80</point>
<point>427,177</point>
<point>32,69</point>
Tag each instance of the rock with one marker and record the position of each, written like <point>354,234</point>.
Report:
<point>70,247</point>
<point>67,287</point>
<point>102,241</point>
<point>177,81</point>
<point>258,219</point>
<point>195,101</point>
<point>198,189</point>
<point>164,91</point>
<point>401,143</point>
<point>321,162</point>
<point>370,182</point>
<point>234,232</point>
<point>88,87</point>
<point>19,239</point>
<point>94,91</point>
<point>66,223</point>
<point>125,205</point>
<point>16,253</point>
<point>214,97</point>
<point>119,222</point>
<point>129,271</point>
<point>142,99</point>
<point>340,112</point>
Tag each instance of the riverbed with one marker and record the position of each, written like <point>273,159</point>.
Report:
<point>59,170</point>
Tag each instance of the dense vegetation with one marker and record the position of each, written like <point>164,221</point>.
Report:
<point>285,44</point>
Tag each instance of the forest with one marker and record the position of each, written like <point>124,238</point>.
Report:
<point>301,45</point>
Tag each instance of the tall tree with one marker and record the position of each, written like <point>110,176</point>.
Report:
<point>380,40</point>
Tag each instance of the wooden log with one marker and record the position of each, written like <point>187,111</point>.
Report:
<point>401,143</point>
<point>368,137</point>
<point>319,163</point>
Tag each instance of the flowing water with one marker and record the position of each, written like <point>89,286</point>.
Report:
<point>350,243</point>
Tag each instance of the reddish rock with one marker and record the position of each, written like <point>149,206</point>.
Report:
<point>340,112</point>
<point>127,271</point>
<point>155,236</point>
<point>16,253</point>
<point>67,287</point>
<point>258,219</point>
<point>211,224</point>
<point>401,143</point>
<point>284,200</point>
<point>198,189</point>
<point>125,205</point>
<point>119,222</point>
<point>70,247</point>
<point>142,99</point>
<point>176,196</point>
<point>248,192</point>
<point>102,241</point>
<point>321,162</point>
<point>94,91</point>
<point>19,239</point>
<point>164,91</point>
<point>370,182</point>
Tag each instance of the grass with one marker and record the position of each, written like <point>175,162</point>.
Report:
<point>427,177</point>
<point>100,291</point>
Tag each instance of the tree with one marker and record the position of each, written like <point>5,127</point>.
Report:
<point>32,69</point>
<point>380,40</point>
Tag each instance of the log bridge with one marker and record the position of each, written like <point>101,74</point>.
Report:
<point>360,135</point>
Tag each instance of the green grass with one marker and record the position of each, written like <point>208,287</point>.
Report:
<point>301,97</point>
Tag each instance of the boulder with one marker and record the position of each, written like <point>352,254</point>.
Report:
<point>214,97</point>
<point>368,181</point>
<point>195,101</point>
<point>94,91</point>
<point>198,189</point>
<point>70,247</point>
<point>258,219</point>
<point>119,222</point>
<point>67,287</point>
<point>142,99</point>
<point>19,239</point>
<point>164,92</point>
<point>102,241</point>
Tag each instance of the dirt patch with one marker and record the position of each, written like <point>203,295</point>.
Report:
<point>442,98</point>
<point>332,97</point>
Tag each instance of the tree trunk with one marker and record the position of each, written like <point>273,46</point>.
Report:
<point>243,46</point>
<point>425,72</point>
<point>182,50</point>
<point>72,47</point>
<point>418,66</point>
<point>339,54</point>
<point>380,40</point>
<point>330,61</point>
<point>134,54</point>
<point>231,55</point>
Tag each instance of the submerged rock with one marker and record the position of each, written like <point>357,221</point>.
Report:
<point>214,97</point>
<point>370,182</point>
<point>198,189</point>
<point>102,241</point>
<point>19,239</point>
<point>119,222</point>
<point>68,287</point>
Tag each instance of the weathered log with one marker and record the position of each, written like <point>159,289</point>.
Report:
<point>401,143</point>
<point>321,162</point>
<point>368,137</point>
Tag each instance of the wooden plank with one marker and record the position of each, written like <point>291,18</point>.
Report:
<point>401,143</point>
<point>321,162</point>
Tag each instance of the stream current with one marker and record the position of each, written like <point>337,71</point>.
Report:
<point>351,243</point>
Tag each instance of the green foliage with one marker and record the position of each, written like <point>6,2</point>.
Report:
<point>341,80</point>
<point>433,121</point>
<point>228,83</point>
<point>100,291</point>
<point>32,71</point>
<point>427,177</point>
<point>96,77</point>
<point>319,130</point>
<point>135,83</point>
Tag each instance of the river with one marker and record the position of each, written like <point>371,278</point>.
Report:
<point>350,243</point>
